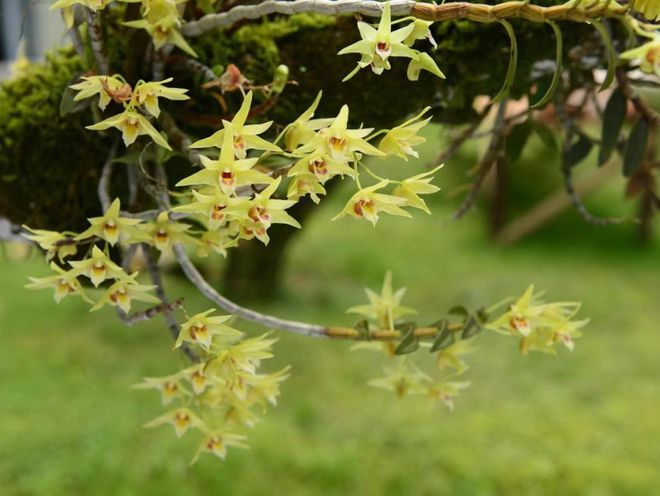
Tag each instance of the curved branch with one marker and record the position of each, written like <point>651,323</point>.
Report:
<point>426,11</point>
<point>227,305</point>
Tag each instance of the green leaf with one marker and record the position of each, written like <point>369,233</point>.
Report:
<point>613,117</point>
<point>546,135</point>
<point>516,141</point>
<point>559,47</point>
<point>482,315</point>
<point>471,328</point>
<point>610,53</point>
<point>513,63</point>
<point>633,157</point>
<point>444,338</point>
<point>409,343</point>
<point>67,103</point>
<point>577,152</point>
<point>459,310</point>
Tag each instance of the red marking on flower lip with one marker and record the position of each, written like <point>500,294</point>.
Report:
<point>227,178</point>
<point>196,330</point>
<point>216,213</point>
<point>382,46</point>
<point>360,205</point>
<point>318,167</point>
<point>517,322</point>
<point>337,142</point>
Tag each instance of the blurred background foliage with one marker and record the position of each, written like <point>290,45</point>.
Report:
<point>580,423</point>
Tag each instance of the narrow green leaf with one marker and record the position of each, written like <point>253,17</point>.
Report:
<point>577,152</point>
<point>513,63</point>
<point>613,117</point>
<point>633,157</point>
<point>559,47</point>
<point>443,338</point>
<point>610,53</point>
<point>546,135</point>
<point>516,141</point>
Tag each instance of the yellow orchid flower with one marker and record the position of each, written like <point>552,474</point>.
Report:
<point>197,377</point>
<point>216,443</point>
<point>147,94</point>
<point>110,226</point>
<point>218,241</point>
<point>201,329</point>
<point>213,205</point>
<point>340,143</point>
<point>304,128</point>
<point>123,292</point>
<point>447,391</point>
<point>322,166</point>
<point>227,173</point>
<point>378,45</point>
<point>385,308</point>
<point>98,267</point>
<point>163,233</point>
<point>181,419</point>
<point>132,124</point>
<point>55,243</point>
<point>305,184</point>
<point>265,388</point>
<point>648,56</point>
<point>367,204</point>
<point>404,379</point>
<point>104,86</point>
<point>169,387</point>
<point>163,32</point>
<point>244,356</point>
<point>450,357</point>
<point>245,136</point>
<point>400,140</point>
<point>411,188</point>
<point>264,210</point>
<point>65,283</point>
<point>650,9</point>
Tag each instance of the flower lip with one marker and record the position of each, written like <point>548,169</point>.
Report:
<point>318,167</point>
<point>361,205</point>
<point>383,49</point>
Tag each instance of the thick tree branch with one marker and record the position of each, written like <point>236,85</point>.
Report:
<point>569,11</point>
<point>96,40</point>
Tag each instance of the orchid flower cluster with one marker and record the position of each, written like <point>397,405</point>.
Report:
<point>541,326</point>
<point>223,392</point>
<point>138,103</point>
<point>378,45</point>
<point>250,175</point>
<point>160,18</point>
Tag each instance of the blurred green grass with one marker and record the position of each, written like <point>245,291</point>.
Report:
<point>583,423</point>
